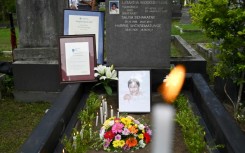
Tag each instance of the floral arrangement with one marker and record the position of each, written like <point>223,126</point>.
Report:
<point>105,75</point>
<point>124,134</point>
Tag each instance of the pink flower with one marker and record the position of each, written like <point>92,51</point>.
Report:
<point>125,131</point>
<point>118,137</point>
<point>117,128</point>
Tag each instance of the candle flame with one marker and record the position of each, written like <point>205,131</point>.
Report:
<point>172,84</point>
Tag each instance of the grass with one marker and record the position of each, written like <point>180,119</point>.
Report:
<point>17,120</point>
<point>5,38</point>
<point>191,37</point>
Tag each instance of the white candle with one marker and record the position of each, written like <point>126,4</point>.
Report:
<point>105,117</point>
<point>97,118</point>
<point>163,123</point>
<point>74,141</point>
<point>101,114</point>
<point>117,113</point>
<point>81,133</point>
<point>111,112</point>
<point>106,110</point>
<point>63,151</point>
<point>90,132</point>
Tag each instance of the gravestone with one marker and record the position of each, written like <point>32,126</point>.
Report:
<point>138,33</point>
<point>35,67</point>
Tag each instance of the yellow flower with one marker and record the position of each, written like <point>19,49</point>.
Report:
<point>121,143</point>
<point>126,121</point>
<point>141,136</point>
<point>143,131</point>
<point>107,124</point>
<point>116,143</point>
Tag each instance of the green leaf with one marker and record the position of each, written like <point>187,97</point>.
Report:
<point>108,90</point>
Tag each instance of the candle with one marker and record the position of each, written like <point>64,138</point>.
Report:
<point>106,110</point>
<point>90,132</point>
<point>74,141</point>
<point>117,113</point>
<point>111,111</point>
<point>105,117</point>
<point>63,151</point>
<point>97,118</point>
<point>163,122</point>
<point>101,114</point>
<point>81,132</point>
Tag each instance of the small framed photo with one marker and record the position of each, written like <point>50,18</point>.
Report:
<point>77,22</point>
<point>114,7</point>
<point>77,58</point>
<point>134,91</point>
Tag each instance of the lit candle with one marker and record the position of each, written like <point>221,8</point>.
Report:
<point>90,132</point>
<point>117,113</point>
<point>63,151</point>
<point>101,114</point>
<point>163,122</point>
<point>106,110</point>
<point>97,118</point>
<point>74,141</point>
<point>111,112</point>
<point>81,133</point>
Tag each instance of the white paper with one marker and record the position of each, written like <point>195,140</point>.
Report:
<point>77,58</point>
<point>84,25</point>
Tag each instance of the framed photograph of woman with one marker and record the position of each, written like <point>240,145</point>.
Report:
<point>134,91</point>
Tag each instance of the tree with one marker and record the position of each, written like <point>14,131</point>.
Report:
<point>6,7</point>
<point>224,20</point>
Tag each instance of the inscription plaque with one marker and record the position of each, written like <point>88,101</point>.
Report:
<point>140,34</point>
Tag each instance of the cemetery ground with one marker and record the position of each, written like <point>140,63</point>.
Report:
<point>18,119</point>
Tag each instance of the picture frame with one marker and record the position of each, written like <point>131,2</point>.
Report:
<point>77,22</point>
<point>134,91</point>
<point>114,7</point>
<point>77,58</point>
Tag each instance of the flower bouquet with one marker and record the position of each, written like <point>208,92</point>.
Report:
<point>124,134</point>
<point>105,75</point>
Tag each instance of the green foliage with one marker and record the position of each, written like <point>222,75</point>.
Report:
<point>224,20</point>
<point>192,131</point>
<point>84,138</point>
<point>7,86</point>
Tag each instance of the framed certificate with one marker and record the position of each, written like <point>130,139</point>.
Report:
<point>77,58</point>
<point>86,22</point>
<point>134,91</point>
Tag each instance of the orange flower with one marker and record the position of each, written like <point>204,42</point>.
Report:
<point>131,142</point>
<point>133,129</point>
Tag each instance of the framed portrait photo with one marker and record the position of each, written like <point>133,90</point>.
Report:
<point>134,91</point>
<point>77,58</point>
<point>77,22</point>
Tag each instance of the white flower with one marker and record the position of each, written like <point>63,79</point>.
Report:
<point>141,127</point>
<point>142,144</point>
<point>102,132</point>
<point>96,74</point>
<point>111,123</point>
<point>102,77</point>
<point>100,69</point>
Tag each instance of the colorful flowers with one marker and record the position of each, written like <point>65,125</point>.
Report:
<point>125,134</point>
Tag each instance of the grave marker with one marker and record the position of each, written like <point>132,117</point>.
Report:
<point>138,33</point>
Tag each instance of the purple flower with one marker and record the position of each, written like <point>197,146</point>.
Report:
<point>107,143</point>
<point>118,137</point>
<point>125,131</point>
<point>148,130</point>
<point>117,128</point>
<point>126,147</point>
